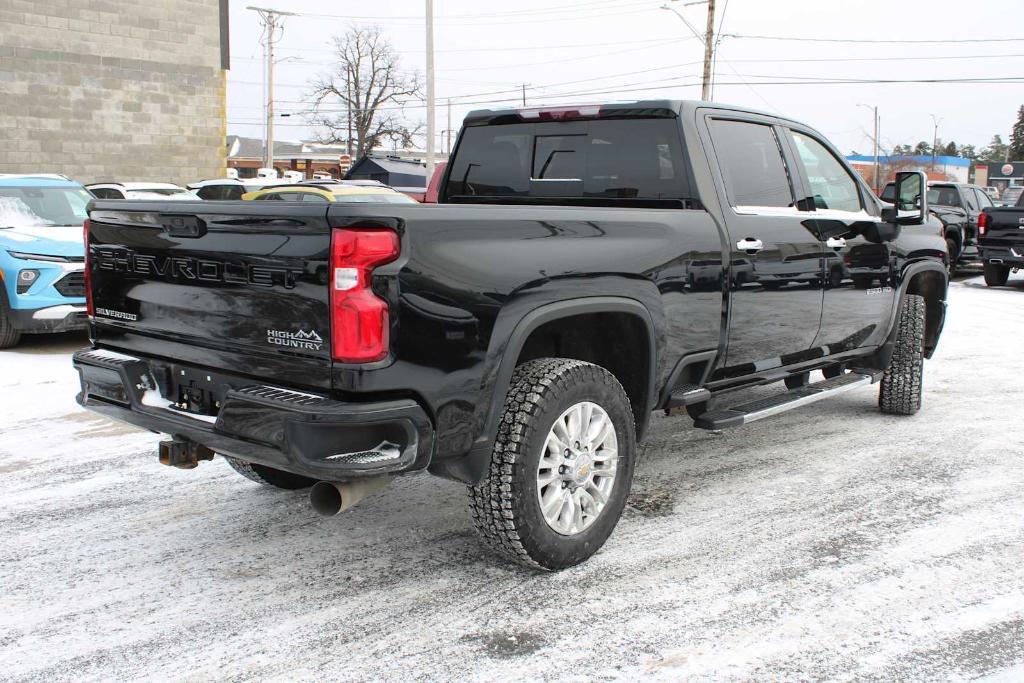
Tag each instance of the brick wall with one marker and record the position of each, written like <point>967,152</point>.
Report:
<point>112,90</point>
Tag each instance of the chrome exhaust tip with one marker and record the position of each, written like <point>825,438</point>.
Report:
<point>329,498</point>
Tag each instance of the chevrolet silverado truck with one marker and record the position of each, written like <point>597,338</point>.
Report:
<point>583,267</point>
<point>1001,241</point>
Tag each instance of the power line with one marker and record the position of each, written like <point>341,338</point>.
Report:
<point>877,59</point>
<point>559,9</point>
<point>670,67</point>
<point>984,81</point>
<point>875,40</point>
<point>526,48</point>
<point>489,19</point>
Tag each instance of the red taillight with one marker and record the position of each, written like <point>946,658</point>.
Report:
<point>89,307</point>
<point>359,318</point>
<point>982,223</point>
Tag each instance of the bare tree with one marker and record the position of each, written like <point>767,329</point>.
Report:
<point>360,102</point>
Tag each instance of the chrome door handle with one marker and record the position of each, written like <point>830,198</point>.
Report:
<point>836,243</point>
<point>750,245</point>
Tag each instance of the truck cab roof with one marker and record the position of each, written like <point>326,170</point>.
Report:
<point>635,109</point>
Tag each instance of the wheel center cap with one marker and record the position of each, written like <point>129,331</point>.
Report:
<point>582,466</point>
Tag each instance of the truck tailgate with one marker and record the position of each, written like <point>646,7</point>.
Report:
<point>1005,224</point>
<point>234,286</point>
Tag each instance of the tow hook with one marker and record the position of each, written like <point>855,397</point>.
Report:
<point>182,453</point>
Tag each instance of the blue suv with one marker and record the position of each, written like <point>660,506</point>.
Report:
<point>42,258</point>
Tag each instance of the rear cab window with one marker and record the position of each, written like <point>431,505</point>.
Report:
<point>600,162</point>
<point>752,165</point>
<point>982,198</point>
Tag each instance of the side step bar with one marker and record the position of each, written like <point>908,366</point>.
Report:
<point>687,395</point>
<point>780,403</point>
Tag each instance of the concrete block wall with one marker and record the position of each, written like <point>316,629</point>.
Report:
<point>106,90</point>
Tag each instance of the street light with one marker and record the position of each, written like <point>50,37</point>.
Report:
<point>874,140</point>
<point>706,40</point>
<point>935,137</point>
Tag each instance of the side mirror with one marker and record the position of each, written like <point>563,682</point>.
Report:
<point>911,207</point>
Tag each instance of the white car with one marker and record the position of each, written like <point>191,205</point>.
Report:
<point>150,191</point>
<point>229,188</point>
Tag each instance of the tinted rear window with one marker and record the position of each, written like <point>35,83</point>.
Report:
<point>751,161</point>
<point>579,160</point>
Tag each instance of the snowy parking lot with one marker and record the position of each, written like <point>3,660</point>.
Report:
<point>828,543</point>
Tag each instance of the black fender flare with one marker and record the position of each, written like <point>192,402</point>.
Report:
<point>956,233</point>
<point>880,359</point>
<point>472,467</point>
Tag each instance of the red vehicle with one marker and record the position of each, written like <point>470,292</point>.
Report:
<point>435,183</point>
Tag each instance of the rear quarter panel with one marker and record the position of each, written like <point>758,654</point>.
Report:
<point>468,273</point>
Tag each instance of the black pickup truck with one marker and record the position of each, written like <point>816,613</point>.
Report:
<point>583,267</point>
<point>1001,241</point>
<point>958,206</point>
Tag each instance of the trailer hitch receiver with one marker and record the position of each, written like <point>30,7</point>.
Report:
<point>182,453</point>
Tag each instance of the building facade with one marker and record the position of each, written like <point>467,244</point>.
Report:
<point>954,169</point>
<point>105,90</point>
<point>1000,174</point>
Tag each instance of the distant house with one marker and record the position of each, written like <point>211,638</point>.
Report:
<point>247,156</point>
<point>390,170</point>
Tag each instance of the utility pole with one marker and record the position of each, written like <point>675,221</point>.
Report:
<point>524,94</point>
<point>431,123</point>
<point>878,126</point>
<point>709,51</point>
<point>874,139</point>
<point>270,22</point>
<point>935,137</point>
<point>707,40</point>
<point>448,148</point>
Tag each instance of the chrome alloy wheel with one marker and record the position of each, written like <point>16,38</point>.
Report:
<point>576,471</point>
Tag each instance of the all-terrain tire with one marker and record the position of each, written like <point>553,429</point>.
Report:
<point>996,275</point>
<point>954,256</point>
<point>8,335</point>
<point>505,506</point>
<point>900,390</point>
<point>268,476</point>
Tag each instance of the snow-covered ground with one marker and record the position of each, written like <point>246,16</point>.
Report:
<point>828,543</point>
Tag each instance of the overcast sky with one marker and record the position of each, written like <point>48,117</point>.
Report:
<point>570,51</point>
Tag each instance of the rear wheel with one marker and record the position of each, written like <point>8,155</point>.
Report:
<point>268,476</point>
<point>996,274</point>
<point>8,335</point>
<point>900,390</point>
<point>954,255</point>
<point>561,467</point>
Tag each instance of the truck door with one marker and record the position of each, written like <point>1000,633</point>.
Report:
<point>775,260</point>
<point>858,278</point>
